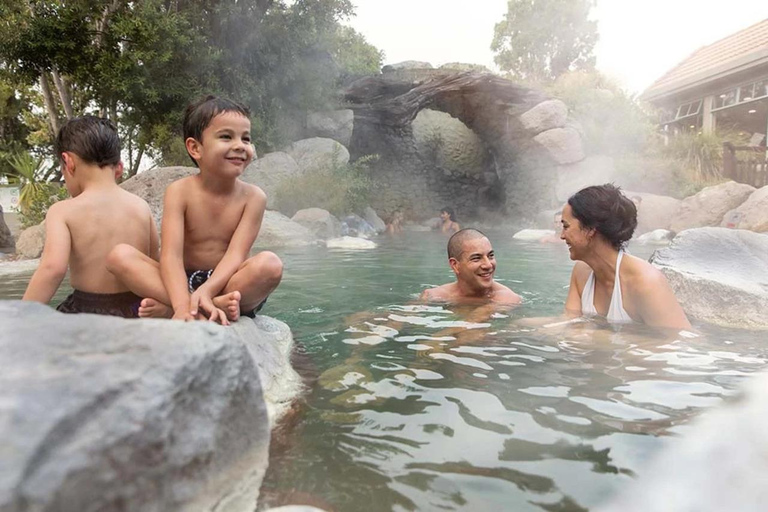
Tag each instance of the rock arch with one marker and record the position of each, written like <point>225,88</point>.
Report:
<point>528,136</point>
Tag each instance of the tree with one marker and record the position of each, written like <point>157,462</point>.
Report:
<point>539,40</point>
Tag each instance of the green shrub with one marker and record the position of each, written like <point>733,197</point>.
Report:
<point>340,189</point>
<point>39,201</point>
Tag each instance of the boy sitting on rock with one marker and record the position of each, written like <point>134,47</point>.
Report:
<point>80,232</point>
<point>210,221</point>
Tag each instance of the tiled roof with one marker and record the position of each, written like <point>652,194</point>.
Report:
<point>715,57</point>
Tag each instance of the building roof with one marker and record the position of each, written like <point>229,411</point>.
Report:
<point>736,52</point>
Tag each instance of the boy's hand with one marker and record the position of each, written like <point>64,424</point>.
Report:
<point>182,315</point>
<point>201,305</point>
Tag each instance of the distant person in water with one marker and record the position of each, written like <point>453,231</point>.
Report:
<point>554,238</point>
<point>448,222</point>
<point>472,259</point>
<point>396,223</point>
<point>210,221</point>
<point>597,223</point>
<point>80,232</point>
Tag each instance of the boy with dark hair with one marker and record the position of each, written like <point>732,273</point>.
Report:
<point>210,221</point>
<point>80,232</point>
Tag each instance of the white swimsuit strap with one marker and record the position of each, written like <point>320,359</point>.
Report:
<point>616,312</point>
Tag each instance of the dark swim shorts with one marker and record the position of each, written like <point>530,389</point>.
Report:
<point>195,279</point>
<point>124,304</point>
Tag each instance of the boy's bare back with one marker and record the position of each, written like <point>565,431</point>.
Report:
<point>96,221</point>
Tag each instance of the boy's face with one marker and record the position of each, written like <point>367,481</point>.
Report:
<point>226,147</point>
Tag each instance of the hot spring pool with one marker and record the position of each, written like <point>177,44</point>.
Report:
<point>429,407</point>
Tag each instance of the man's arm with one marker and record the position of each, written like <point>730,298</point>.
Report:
<point>240,245</point>
<point>172,256</point>
<point>55,259</point>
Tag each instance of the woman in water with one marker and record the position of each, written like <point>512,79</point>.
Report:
<point>448,222</point>
<point>596,225</point>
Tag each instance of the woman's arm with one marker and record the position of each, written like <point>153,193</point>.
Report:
<point>573,301</point>
<point>656,302</point>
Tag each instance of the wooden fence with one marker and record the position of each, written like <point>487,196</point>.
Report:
<point>746,164</point>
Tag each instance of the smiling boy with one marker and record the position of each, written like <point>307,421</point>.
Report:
<point>210,221</point>
<point>473,261</point>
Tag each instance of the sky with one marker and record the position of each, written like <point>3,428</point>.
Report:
<point>639,39</point>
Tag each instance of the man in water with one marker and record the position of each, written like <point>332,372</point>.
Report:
<point>472,259</point>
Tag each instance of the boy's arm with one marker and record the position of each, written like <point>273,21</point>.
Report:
<point>154,240</point>
<point>55,258</point>
<point>240,245</point>
<point>172,255</point>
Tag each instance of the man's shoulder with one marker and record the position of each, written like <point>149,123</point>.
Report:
<point>505,294</point>
<point>441,292</point>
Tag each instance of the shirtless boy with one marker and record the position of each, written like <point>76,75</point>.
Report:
<point>210,221</point>
<point>81,231</point>
<point>472,259</point>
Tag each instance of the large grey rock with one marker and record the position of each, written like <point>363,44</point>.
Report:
<point>150,185</point>
<point>355,226</point>
<point>594,170</point>
<point>372,218</point>
<point>406,64</point>
<point>719,275</point>
<point>545,116</point>
<point>448,143</point>
<point>654,211</point>
<point>6,238</point>
<point>269,171</point>
<point>318,153</point>
<point>752,214</point>
<point>708,207</point>
<point>719,464</point>
<point>332,124</point>
<point>114,414</point>
<point>31,241</point>
<point>277,230</point>
<point>464,66</point>
<point>562,144</point>
<point>320,222</point>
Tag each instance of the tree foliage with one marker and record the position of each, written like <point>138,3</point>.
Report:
<point>140,63</point>
<point>539,40</point>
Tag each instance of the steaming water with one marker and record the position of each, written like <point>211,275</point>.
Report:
<point>416,407</point>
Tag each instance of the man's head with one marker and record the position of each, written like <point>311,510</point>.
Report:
<point>472,259</point>
<point>220,125</point>
<point>87,140</point>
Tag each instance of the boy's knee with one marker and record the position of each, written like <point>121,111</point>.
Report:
<point>270,266</point>
<point>118,256</point>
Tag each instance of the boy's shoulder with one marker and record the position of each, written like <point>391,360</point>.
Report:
<point>251,189</point>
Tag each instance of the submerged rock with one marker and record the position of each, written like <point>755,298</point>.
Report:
<point>530,235</point>
<point>656,237</point>
<point>350,242</point>
<point>718,464</point>
<point>115,414</point>
<point>708,207</point>
<point>719,275</point>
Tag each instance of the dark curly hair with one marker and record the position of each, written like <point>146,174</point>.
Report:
<point>606,209</point>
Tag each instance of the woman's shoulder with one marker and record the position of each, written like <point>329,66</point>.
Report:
<point>640,274</point>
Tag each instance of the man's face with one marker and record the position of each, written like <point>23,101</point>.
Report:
<point>226,145</point>
<point>476,264</point>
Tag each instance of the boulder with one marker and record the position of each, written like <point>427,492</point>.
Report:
<point>448,143</point>
<point>709,206</point>
<point>350,242</point>
<point>464,66</point>
<point>562,144</point>
<point>269,171</point>
<point>115,414</point>
<point>718,463</point>
<point>6,238</point>
<point>719,275</point>
<point>372,218</point>
<point>545,116</point>
<point>656,237</point>
<point>406,64</point>
<point>31,241</point>
<point>277,230</point>
<point>318,154</point>
<point>752,214</point>
<point>150,185</point>
<point>595,170</point>
<point>653,211</point>
<point>355,226</point>
<point>533,235</point>
<point>332,124</point>
<point>320,222</point>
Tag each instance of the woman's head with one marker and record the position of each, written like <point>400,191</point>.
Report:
<point>606,210</point>
<point>447,212</point>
